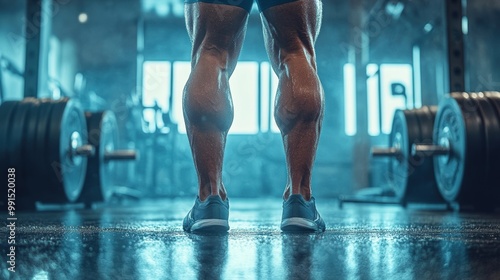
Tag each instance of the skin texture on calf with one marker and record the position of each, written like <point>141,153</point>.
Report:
<point>217,33</point>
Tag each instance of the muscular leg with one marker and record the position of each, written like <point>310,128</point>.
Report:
<point>217,33</point>
<point>290,31</point>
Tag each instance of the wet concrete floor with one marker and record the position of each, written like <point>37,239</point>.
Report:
<point>146,241</point>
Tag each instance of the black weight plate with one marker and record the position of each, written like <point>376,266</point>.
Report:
<point>16,145</point>
<point>7,110</point>
<point>398,165</point>
<point>459,121</point>
<point>56,173</point>
<point>485,195</point>
<point>494,99</point>
<point>92,188</point>
<point>422,185</point>
<point>67,126</point>
<point>41,168</point>
<point>414,162</point>
<point>476,182</point>
<point>404,130</point>
<point>426,116</point>
<point>91,191</point>
<point>99,180</point>
<point>29,152</point>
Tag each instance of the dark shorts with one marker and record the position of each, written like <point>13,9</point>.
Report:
<point>245,4</point>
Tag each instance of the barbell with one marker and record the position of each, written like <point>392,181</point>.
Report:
<point>466,149</point>
<point>410,176</point>
<point>101,174</point>
<point>46,142</point>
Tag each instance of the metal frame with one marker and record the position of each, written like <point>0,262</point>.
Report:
<point>455,45</point>
<point>38,27</point>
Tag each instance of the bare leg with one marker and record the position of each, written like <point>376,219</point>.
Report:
<point>290,31</point>
<point>217,33</point>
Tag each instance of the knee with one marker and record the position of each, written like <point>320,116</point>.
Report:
<point>298,102</point>
<point>207,106</point>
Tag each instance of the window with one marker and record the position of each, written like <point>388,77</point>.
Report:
<point>389,87</point>
<point>245,91</point>
<point>156,91</point>
<point>268,86</point>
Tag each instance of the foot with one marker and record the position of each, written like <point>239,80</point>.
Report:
<point>210,215</point>
<point>300,215</point>
<point>305,191</point>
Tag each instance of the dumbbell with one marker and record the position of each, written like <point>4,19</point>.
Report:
<point>100,178</point>
<point>46,142</point>
<point>466,149</point>
<point>411,177</point>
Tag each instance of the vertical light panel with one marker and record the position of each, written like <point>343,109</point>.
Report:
<point>156,84</point>
<point>156,89</point>
<point>417,79</point>
<point>54,64</point>
<point>373,99</point>
<point>274,89</point>
<point>182,69</point>
<point>265,82</point>
<point>394,74</point>
<point>465,25</point>
<point>350,99</point>
<point>54,58</point>
<point>440,80</point>
<point>244,90</point>
<point>269,87</point>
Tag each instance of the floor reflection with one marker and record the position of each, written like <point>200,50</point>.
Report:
<point>360,243</point>
<point>210,252</point>
<point>298,255</point>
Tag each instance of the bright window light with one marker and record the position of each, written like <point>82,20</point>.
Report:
<point>244,89</point>
<point>156,90</point>
<point>350,99</point>
<point>417,79</point>
<point>182,69</point>
<point>265,80</point>
<point>274,89</point>
<point>269,86</point>
<point>390,75</point>
<point>373,99</point>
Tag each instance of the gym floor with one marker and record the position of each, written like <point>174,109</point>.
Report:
<point>146,241</point>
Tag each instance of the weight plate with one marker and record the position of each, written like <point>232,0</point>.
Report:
<point>426,116</point>
<point>494,99</point>
<point>92,188</point>
<point>7,110</point>
<point>42,167</point>
<point>492,139</point>
<point>16,143</point>
<point>458,123</point>
<point>99,180</point>
<point>404,130</point>
<point>66,131</point>
<point>29,151</point>
<point>422,186</point>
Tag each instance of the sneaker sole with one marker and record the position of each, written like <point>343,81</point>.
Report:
<point>210,225</point>
<point>299,224</point>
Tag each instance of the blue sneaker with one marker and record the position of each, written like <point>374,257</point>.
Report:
<point>210,215</point>
<point>301,215</point>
